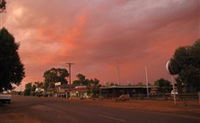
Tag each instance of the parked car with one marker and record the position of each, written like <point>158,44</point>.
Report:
<point>5,98</point>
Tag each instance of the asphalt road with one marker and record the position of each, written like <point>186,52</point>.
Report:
<point>61,111</point>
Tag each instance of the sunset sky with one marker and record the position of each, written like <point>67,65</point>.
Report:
<point>99,35</point>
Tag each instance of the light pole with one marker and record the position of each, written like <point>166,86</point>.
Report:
<point>70,75</point>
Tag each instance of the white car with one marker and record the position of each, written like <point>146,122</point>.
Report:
<point>5,98</point>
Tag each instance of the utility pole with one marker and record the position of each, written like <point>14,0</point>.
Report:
<point>147,81</point>
<point>70,74</point>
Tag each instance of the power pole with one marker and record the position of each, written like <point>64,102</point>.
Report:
<point>70,75</point>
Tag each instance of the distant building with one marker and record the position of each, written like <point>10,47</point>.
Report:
<point>132,90</point>
<point>72,91</point>
<point>78,92</point>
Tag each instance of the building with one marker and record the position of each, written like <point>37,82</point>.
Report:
<point>78,92</point>
<point>132,90</point>
<point>72,91</point>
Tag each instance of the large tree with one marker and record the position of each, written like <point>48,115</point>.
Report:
<point>55,75</point>
<point>185,64</point>
<point>11,68</point>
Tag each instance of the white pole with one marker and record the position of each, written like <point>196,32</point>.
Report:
<point>147,81</point>
<point>174,92</point>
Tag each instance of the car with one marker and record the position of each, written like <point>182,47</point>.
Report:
<point>5,98</point>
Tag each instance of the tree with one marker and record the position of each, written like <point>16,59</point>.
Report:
<point>81,80</point>
<point>55,75</point>
<point>185,64</point>
<point>2,5</point>
<point>12,70</point>
<point>92,84</point>
<point>28,89</point>
<point>39,84</point>
<point>93,87</point>
<point>164,86</point>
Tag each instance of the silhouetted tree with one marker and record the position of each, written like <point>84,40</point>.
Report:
<point>92,84</point>
<point>11,68</point>
<point>81,80</point>
<point>2,5</point>
<point>28,89</point>
<point>164,86</point>
<point>55,75</point>
<point>186,65</point>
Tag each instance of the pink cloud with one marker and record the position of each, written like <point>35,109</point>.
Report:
<point>99,34</point>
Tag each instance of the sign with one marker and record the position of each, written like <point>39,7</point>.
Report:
<point>57,83</point>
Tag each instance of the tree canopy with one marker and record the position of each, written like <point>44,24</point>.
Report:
<point>28,89</point>
<point>92,84</point>
<point>11,68</point>
<point>186,65</point>
<point>164,86</point>
<point>2,5</point>
<point>81,80</point>
<point>55,75</point>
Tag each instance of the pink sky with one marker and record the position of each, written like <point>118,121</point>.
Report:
<point>98,35</point>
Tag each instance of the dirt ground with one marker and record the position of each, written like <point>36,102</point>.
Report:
<point>150,105</point>
<point>17,118</point>
<point>18,111</point>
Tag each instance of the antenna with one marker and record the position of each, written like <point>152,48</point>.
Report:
<point>70,75</point>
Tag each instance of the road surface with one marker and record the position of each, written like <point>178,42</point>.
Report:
<point>50,110</point>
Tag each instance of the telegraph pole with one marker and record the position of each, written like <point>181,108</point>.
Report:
<point>70,75</point>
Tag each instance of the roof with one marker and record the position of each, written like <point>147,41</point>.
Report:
<point>128,86</point>
<point>76,89</point>
<point>66,86</point>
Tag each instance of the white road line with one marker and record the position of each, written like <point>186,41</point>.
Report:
<point>112,118</point>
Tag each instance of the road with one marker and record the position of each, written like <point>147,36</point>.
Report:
<point>62,111</point>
